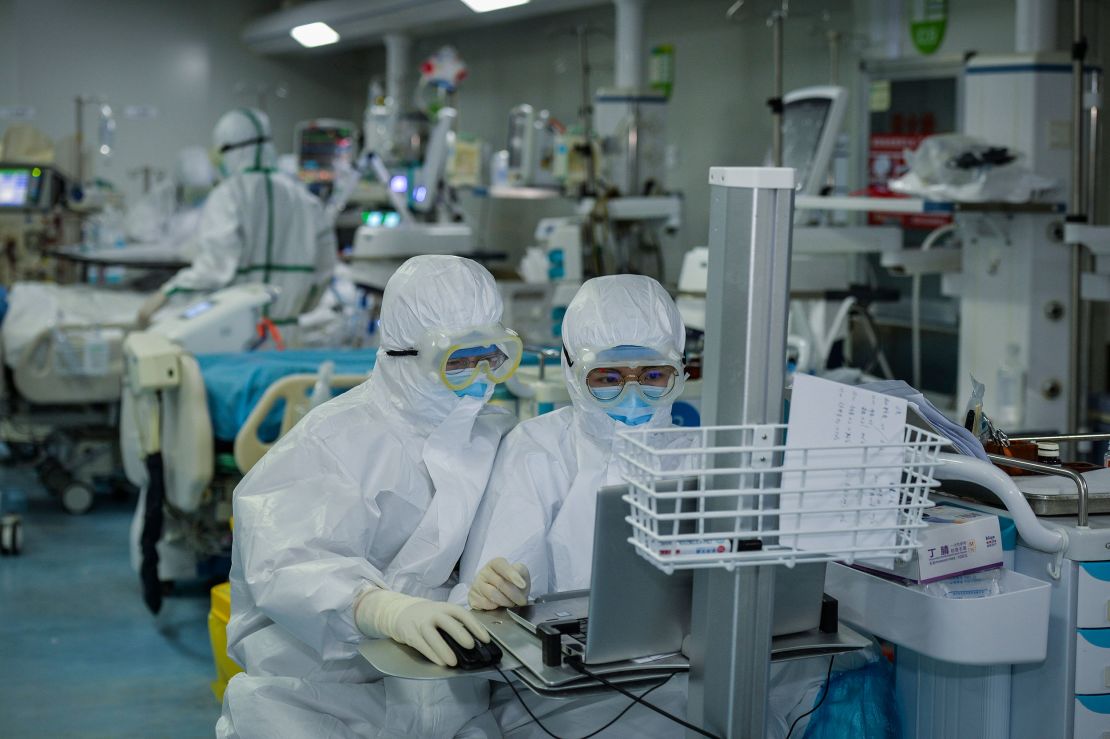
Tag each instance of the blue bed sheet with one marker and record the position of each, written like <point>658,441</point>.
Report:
<point>235,382</point>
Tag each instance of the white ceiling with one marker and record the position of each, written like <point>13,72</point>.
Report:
<point>364,22</point>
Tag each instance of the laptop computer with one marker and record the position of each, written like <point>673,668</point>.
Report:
<point>635,610</point>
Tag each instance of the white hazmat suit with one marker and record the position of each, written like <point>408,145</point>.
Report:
<point>539,511</point>
<point>376,488</point>
<point>540,504</point>
<point>257,226</point>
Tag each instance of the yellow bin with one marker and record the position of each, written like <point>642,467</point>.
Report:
<point>218,617</point>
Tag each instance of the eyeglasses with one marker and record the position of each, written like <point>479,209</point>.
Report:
<point>653,381</point>
<point>608,374</point>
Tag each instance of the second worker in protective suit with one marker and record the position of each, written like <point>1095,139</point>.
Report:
<point>256,226</point>
<point>623,343</point>
<point>351,526</point>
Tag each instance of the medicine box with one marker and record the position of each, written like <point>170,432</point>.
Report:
<point>957,541</point>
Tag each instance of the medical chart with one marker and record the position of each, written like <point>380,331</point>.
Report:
<point>856,495</point>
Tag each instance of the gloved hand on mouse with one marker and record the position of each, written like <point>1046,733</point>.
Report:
<point>416,622</point>
<point>500,585</point>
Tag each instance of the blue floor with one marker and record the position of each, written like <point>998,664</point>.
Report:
<point>80,655</point>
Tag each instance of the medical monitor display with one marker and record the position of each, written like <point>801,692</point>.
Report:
<point>14,184</point>
<point>803,124</point>
<point>321,149</point>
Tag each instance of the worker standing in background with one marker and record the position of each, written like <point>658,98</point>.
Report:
<point>256,227</point>
<point>351,526</point>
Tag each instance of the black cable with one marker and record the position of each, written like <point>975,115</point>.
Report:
<point>618,717</point>
<point>824,694</point>
<point>576,664</point>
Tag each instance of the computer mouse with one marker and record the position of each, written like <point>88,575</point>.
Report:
<point>477,657</point>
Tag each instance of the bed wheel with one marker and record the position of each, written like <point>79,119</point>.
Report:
<point>11,535</point>
<point>77,498</point>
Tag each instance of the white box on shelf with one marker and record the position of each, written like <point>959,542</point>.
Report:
<point>956,542</point>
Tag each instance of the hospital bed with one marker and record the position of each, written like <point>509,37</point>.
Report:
<point>62,358</point>
<point>62,351</point>
<point>192,426</point>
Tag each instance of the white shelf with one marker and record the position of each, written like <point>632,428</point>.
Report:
<point>1009,628</point>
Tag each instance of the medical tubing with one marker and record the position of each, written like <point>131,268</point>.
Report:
<point>824,694</point>
<point>1032,531</point>
<point>595,732</point>
<point>576,664</point>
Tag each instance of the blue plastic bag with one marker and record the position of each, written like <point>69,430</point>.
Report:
<point>860,704</point>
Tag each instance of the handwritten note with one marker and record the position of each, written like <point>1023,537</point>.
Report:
<point>844,499</point>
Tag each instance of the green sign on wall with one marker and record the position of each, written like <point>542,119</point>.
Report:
<point>928,19</point>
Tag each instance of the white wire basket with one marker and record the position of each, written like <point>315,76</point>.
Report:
<point>733,496</point>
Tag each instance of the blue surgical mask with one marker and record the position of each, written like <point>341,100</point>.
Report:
<point>474,390</point>
<point>632,411</point>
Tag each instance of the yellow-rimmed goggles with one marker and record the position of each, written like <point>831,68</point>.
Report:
<point>607,376</point>
<point>460,358</point>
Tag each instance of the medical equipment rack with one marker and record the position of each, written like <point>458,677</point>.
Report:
<point>734,496</point>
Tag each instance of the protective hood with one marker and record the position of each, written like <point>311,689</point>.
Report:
<point>428,292</point>
<point>242,138</point>
<point>618,310</point>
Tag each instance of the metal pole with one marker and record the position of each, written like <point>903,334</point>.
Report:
<point>586,109</point>
<point>80,137</point>
<point>629,71</point>
<point>1076,214</point>
<point>1094,109</point>
<point>776,21</point>
<point>750,218</point>
<point>834,57</point>
<point>398,50</point>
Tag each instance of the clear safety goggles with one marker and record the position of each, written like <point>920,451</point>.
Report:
<point>460,358</point>
<point>607,376</point>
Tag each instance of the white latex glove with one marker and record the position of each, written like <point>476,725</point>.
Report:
<point>500,585</point>
<point>149,308</point>
<point>413,622</point>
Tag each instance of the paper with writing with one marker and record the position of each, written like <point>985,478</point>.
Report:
<point>861,486</point>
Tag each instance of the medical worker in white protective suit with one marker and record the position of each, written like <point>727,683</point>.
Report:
<point>623,345</point>
<point>352,525</point>
<point>256,226</point>
<point>623,363</point>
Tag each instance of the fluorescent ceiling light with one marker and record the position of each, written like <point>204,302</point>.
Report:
<point>315,34</point>
<point>485,6</point>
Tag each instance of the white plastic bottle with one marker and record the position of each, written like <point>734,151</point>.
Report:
<point>1011,389</point>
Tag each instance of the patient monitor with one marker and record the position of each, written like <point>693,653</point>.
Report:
<point>811,122</point>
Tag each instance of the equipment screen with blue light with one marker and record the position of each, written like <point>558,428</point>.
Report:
<point>381,218</point>
<point>14,186</point>
<point>197,309</point>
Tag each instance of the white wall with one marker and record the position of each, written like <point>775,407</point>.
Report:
<point>183,58</point>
